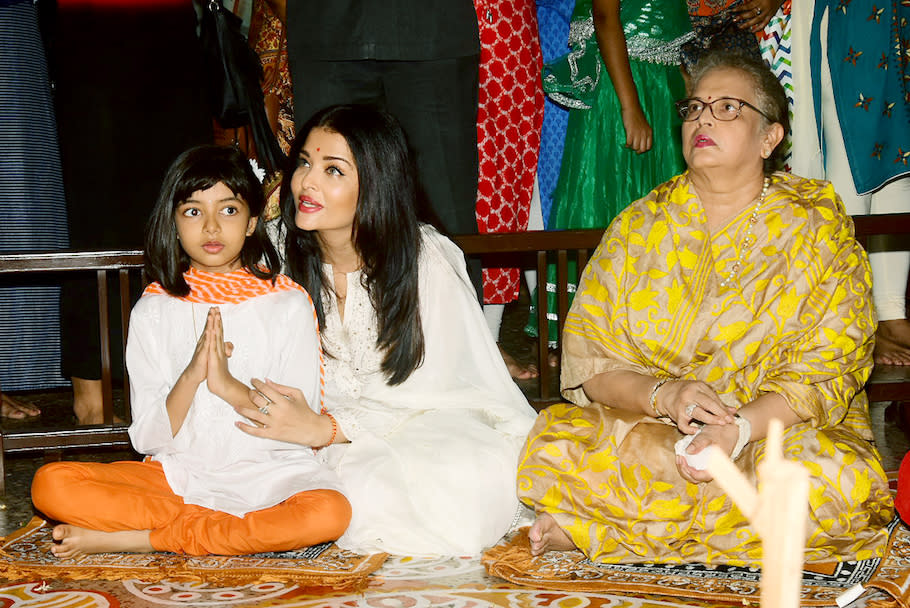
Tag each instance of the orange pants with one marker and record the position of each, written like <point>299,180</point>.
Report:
<point>136,496</point>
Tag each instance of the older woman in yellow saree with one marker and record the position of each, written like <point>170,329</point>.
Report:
<point>726,297</point>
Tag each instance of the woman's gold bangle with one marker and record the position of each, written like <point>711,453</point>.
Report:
<point>652,398</point>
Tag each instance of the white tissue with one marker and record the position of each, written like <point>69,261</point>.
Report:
<point>699,460</point>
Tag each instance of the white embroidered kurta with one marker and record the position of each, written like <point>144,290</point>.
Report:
<point>431,464</point>
<point>210,462</point>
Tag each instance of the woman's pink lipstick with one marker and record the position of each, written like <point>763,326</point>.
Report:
<point>703,141</point>
<point>308,205</point>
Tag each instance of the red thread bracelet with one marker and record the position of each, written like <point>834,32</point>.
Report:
<point>334,431</point>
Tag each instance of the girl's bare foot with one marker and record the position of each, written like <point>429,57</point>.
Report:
<point>13,408</point>
<point>73,541</point>
<point>889,352</point>
<point>546,535</point>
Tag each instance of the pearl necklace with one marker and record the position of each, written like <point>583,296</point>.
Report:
<point>749,239</point>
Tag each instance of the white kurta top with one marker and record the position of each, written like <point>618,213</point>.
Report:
<point>210,462</point>
<point>432,462</point>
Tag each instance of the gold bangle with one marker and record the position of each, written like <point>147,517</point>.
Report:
<point>652,398</point>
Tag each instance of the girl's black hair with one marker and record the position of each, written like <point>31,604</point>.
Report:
<point>200,168</point>
<point>385,234</point>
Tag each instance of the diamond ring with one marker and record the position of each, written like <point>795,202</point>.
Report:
<point>690,409</point>
<point>758,11</point>
<point>264,410</point>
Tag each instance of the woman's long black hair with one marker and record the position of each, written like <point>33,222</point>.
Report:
<point>200,168</point>
<point>385,234</point>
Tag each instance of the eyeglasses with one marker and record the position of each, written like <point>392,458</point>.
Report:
<point>722,108</point>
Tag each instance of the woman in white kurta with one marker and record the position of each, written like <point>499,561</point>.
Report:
<point>212,320</point>
<point>427,421</point>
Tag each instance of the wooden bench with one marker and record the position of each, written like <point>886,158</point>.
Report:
<point>535,249</point>
<point>108,434</point>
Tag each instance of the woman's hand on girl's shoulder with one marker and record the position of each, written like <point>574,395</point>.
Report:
<point>281,413</point>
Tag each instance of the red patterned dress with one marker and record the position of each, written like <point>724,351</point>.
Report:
<point>509,118</point>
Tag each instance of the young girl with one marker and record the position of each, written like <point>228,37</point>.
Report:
<point>429,422</point>
<point>212,320</point>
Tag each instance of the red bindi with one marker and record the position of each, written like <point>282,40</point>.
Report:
<point>318,149</point>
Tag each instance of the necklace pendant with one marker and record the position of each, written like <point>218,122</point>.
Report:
<point>749,239</point>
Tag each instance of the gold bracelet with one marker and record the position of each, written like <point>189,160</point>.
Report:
<point>652,398</point>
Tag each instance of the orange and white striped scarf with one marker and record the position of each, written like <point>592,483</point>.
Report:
<point>236,287</point>
<point>225,287</point>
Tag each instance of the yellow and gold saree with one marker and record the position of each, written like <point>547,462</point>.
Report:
<point>795,318</point>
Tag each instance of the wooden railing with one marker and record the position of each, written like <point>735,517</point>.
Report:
<point>533,250</point>
<point>528,250</point>
<point>64,264</point>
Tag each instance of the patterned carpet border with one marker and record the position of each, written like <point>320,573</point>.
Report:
<point>26,554</point>
<point>572,571</point>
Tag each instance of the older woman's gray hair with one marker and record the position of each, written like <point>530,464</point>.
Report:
<point>770,96</point>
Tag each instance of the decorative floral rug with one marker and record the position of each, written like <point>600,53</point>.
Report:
<point>401,582</point>
<point>822,583</point>
<point>26,554</point>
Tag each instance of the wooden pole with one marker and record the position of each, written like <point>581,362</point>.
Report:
<point>778,512</point>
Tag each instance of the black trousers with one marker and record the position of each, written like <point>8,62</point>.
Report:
<point>129,99</point>
<point>436,103</point>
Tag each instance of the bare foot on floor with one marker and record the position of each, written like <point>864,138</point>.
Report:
<point>13,408</point>
<point>73,541</point>
<point>553,358</point>
<point>546,535</point>
<point>888,350</point>
<point>87,402</point>
<point>516,369</point>
<point>896,330</point>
